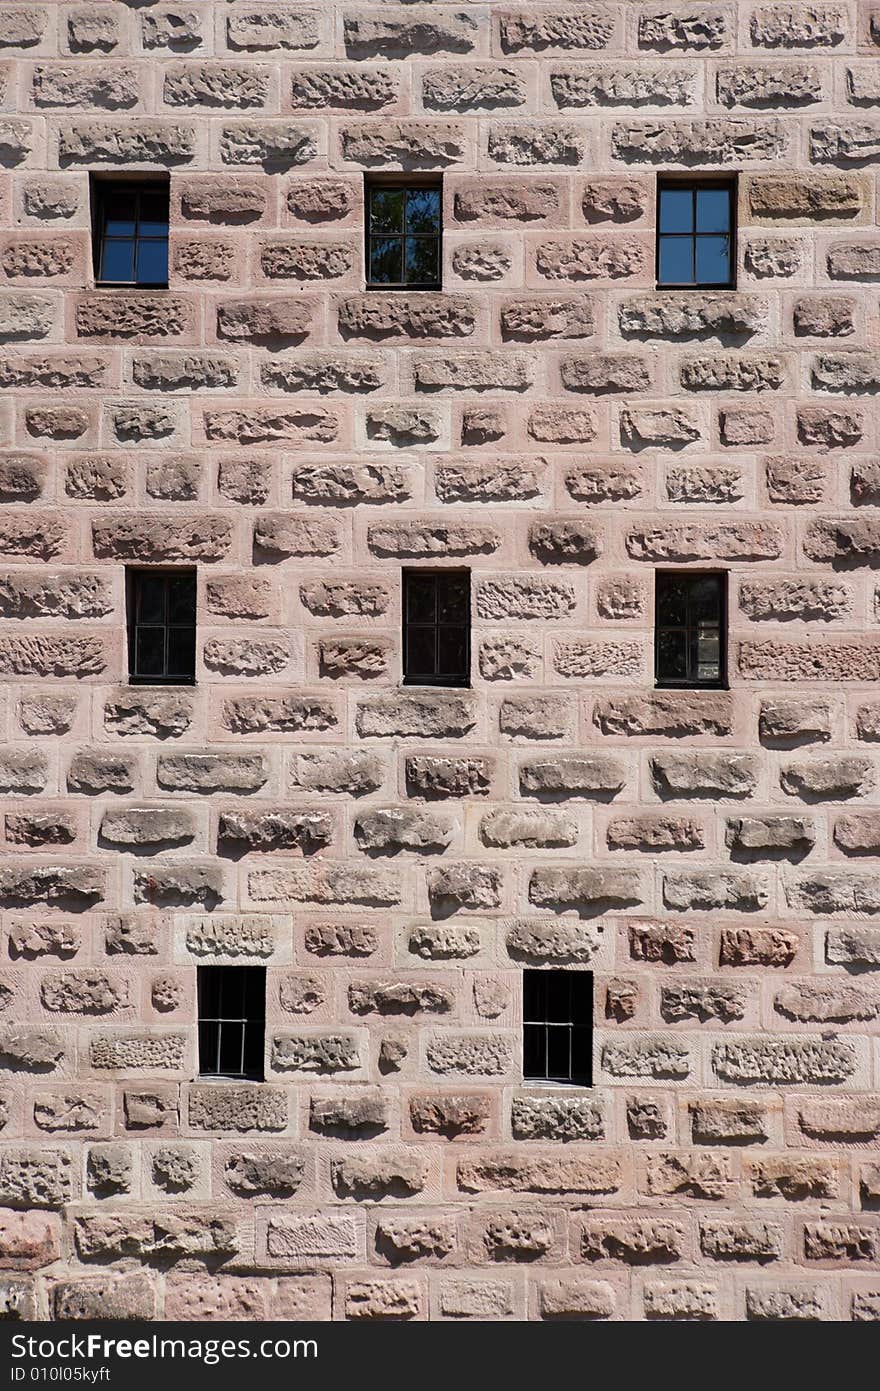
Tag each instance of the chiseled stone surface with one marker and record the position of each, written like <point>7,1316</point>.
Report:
<point>394,857</point>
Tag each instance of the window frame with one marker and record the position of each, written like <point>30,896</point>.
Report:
<point>133,574</point>
<point>102,188</point>
<point>587,978</point>
<point>242,1019</point>
<point>406,183</point>
<point>688,684</point>
<point>697,182</point>
<point>446,679</point>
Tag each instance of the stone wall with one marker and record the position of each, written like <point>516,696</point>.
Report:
<point>395,856</point>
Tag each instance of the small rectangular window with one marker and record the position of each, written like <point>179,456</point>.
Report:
<point>403,235</point>
<point>130,232</point>
<point>690,628</point>
<point>161,620</point>
<point>696,245</point>
<point>558,1026</point>
<point>436,627</point>
<point>232,1021</point>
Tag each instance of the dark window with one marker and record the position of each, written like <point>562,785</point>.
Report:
<point>690,629</point>
<point>232,1021</point>
<point>695,234</point>
<point>161,607</point>
<point>130,233</point>
<point>558,1026</point>
<point>436,627</point>
<point>403,235</point>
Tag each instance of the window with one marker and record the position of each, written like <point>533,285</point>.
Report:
<point>558,1026</point>
<point>130,233</point>
<point>403,235</point>
<point>161,607</point>
<point>232,1021</point>
<point>436,627</point>
<point>690,629</point>
<point>695,234</point>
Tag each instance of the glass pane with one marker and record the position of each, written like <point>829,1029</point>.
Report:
<point>676,261</point>
<point>150,598</point>
<point>713,260</point>
<point>708,665</point>
<point>152,263</point>
<point>209,994</point>
<point>255,992</point>
<point>421,260</point>
<point>533,994</point>
<point>713,210</point>
<point>581,1055</point>
<point>676,210</point>
<point>452,598</point>
<point>671,656</point>
<point>253,1050</point>
<point>182,599</point>
<point>386,210</point>
<point>119,210</point>
<point>671,600</point>
<point>705,599</point>
<point>231,1039</point>
<point>421,652</point>
<point>207,1048</point>
<point>581,997</point>
<point>386,260</point>
<point>181,651</point>
<point>117,261</point>
<point>153,214</point>
<point>558,1058</point>
<point>423,210</point>
<point>150,651</point>
<point>421,593</point>
<point>534,1051</point>
<point>452,652</point>
<point>558,1002</point>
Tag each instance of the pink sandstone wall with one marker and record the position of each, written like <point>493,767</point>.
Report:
<point>552,422</point>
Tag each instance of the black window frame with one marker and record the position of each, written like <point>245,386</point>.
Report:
<point>133,576</point>
<point>538,983</point>
<point>691,682</point>
<point>248,984</point>
<point>454,680</point>
<point>407,183</point>
<point>102,189</point>
<point>697,183</point>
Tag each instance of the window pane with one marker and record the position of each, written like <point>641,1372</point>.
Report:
<point>705,599</point>
<point>452,598</point>
<point>386,209</point>
<point>533,994</point>
<point>153,214</point>
<point>708,664</point>
<point>676,210</point>
<point>253,1050</point>
<point>386,260</point>
<point>672,593</point>
<point>208,1035</point>
<point>713,210</point>
<point>713,260</point>
<point>558,992</point>
<point>672,655</point>
<point>181,651</point>
<point>150,651</point>
<point>119,215</point>
<point>421,595</point>
<point>421,646</point>
<point>452,652</point>
<point>421,260</point>
<point>676,261</point>
<point>117,261</point>
<point>209,994</point>
<point>423,210</point>
<point>231,1039</point>
<point>150,591</point>
<point>182,599</point>
<point>558,1056</point>
<point>581,1054</point>
<point>534,1051</point>
<point>152,263</point>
